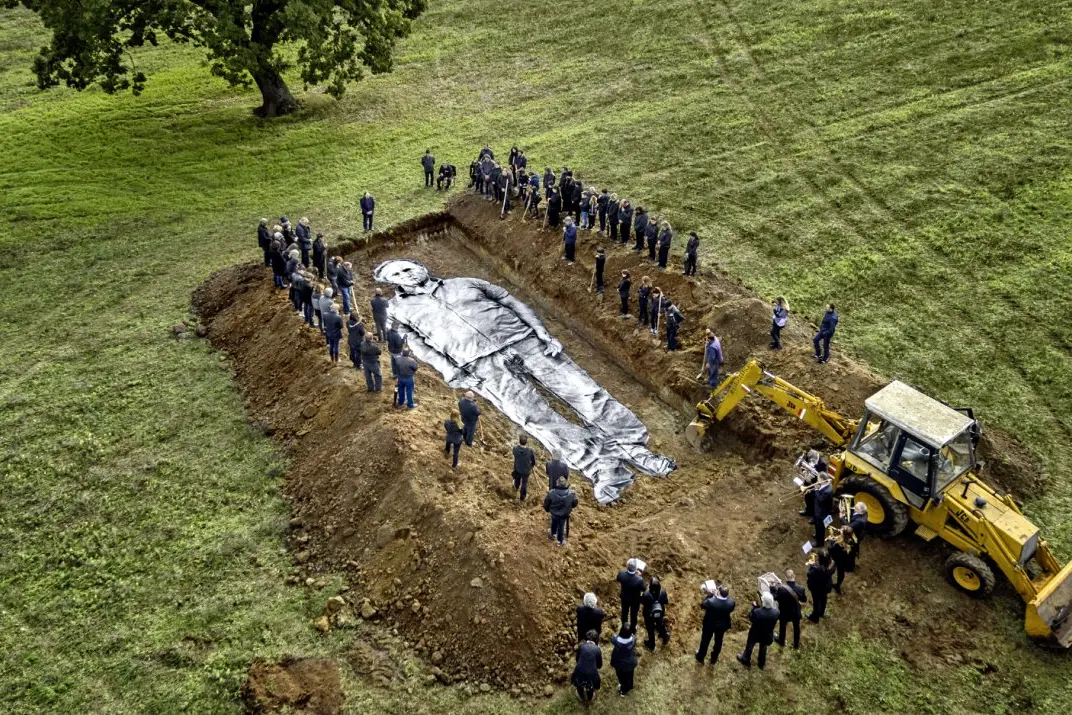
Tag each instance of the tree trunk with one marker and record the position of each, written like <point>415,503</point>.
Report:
<point>276,97</point>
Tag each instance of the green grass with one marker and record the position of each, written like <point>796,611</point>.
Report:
<point>907,160</point>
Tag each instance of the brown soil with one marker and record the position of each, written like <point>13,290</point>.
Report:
<point>449,557</point>
<point>309,685</point>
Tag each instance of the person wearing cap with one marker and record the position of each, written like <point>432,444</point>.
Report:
<point>319,256</point>
<point>305,239</point>
<point>286,229</point>
<point>370,365</point>
<point>470,413</point>
<point>623,658</point>
<point>355,335</point>
<point>454,437</point>
<point>428,162</point>
<point>368,208</point>
<point>623,294</point>
<point>407,370</point>
<point>560,503</point>
<point>691,250</point>
<point>569,239</point>
<point>717,608</point>
<point>333,332</point>
<point>589,617</point>
<point>585,675</point>
<point>264,240</point>
<point>379,306</point>
<point>653,607</point>
<point>395,343</point>
<point>632,586</point>
<point>764,618</point>
<point>601,263</point>
<point>666,235</point>
<point>524,461</point>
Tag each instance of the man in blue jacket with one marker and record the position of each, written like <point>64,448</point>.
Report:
<point>368,207</point>
<point>826,332</point>
<point>569,237</point>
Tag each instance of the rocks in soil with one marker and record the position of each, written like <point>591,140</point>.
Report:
<point>477,582</point>
<point>309,685</point>
<point>322,624</point>
<point>367,611</point>
<point>334,604</point>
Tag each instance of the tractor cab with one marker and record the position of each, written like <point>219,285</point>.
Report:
<point>919,443</point>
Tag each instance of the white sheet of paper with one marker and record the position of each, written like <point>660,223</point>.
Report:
<point>709,585</point>
<point>640,565</point>
<point>828,520</point>
<point>807,547</point>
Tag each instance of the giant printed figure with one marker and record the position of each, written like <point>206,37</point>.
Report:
<point>479,337</point>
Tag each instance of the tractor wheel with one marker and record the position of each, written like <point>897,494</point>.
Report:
<point>970,574</point>
<point>885,515</point>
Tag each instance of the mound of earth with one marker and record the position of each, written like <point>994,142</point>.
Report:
<point>453,561</point>
<point>307,685</point>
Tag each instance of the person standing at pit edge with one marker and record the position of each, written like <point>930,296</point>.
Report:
<point>778,321</point>
<point>559,503</point>
<point>623,294</point>
<point>569,238</point>
<point>632,584</point>
<point>407,370</point>
<point>368,208</point>
<point>524,461</point>
<point>692,249</point>
<point>428,162</point>
<point>825,334</point>
<point>333,332</point>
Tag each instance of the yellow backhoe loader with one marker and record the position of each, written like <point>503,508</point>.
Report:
<point>911,458</point>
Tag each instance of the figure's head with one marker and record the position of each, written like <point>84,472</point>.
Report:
<point>590,600</point>
<point>768,600</point>
<point>402,273</point>
<point>631,565</point>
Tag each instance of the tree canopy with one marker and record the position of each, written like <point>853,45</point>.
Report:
<point>244,41</point>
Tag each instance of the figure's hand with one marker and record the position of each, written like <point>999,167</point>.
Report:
<point>553,348</point>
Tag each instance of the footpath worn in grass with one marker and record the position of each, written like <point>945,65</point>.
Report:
<point>907,160</point>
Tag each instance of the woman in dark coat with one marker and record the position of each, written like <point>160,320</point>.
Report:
<point>624,659</point>
<point>589,617</point>
<point>843,551</point>
<point>586,673</point>
<point>320,255</point>
<point>279,263</point>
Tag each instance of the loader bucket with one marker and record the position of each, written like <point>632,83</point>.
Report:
<point>1049,614</point>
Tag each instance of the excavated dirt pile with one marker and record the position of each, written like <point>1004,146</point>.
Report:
<point>452,560</point>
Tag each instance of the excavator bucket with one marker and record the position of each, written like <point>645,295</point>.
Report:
<point>696,432</point>
<point>1049,614</point>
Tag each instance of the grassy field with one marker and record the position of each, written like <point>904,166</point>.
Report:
<point>905,159</point>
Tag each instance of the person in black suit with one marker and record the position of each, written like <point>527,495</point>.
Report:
<point>823,505</point>
<point>764,618</point>
<point>717,608</point>
<point>624,659</point>
<point>820,583</point>
<point>586,673</point>
<point>843,552</point>
<point>632,587</point>
<point>653,604</point>
<point>858,524</point>
<point>589,617</point>
<point>789,596</point>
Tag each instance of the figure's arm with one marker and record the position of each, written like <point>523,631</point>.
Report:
<point>522,311</point>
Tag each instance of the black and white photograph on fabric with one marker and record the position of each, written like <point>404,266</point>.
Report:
<point>481,338</point>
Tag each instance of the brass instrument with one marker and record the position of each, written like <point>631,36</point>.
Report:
<point>844,507</point>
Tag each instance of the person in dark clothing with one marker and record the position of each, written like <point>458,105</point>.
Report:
<point>692,249</point>
<point>643,299</point>
<point>333,273</point>
<point>656,304</point>
<point>589,617</point>
<point>717,608</point>
<point>305,240</point>
<point>585,676</point>
<point>666,235</point>
<point>379,306</point>
<point>548,184</point>
<point>640,223</point>
<point>407,368</point>
<point>624,659</point>
<point>789,596</point>
<point>556,469</point>
<point>858,524</point>
<point>486,151</point>
<point>344,277</point>
<point>475,179</point>
<point>843,552</point>
<point>653,606</point>
<point>305,294</point>
<point>534,202</point>
<point>625,217</point>
<point>447,172</point>
<point>613,206</point>
<point>601,263</point>
<point>569,238</point>
<point>764,618</point>
<point>287,229</point>
<point>825,334</point>
<point>602,204</point>
<point>395,343</point>
<point>559,503</point>
<point>623,293</point>
<point>320,254</point>
<point>651,235</point>
<point>674,319</point>
<point>554,208</point>
<point>524,461</point>
<point>632,584</point>
<point>264,240</point>
<point>713,359</point>
<point>823,506</point>
<point>778,321</point>
<point>428,162</point>
<point>333,332</point>
<point>810,476</point>
<point>470,413</point>
<point>368,208</point>
<point>355,335</point>
<point>370,365</point>
<point>820,583</point>
<point>454,437</point>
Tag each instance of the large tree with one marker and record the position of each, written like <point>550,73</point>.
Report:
<point>244,39</point>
